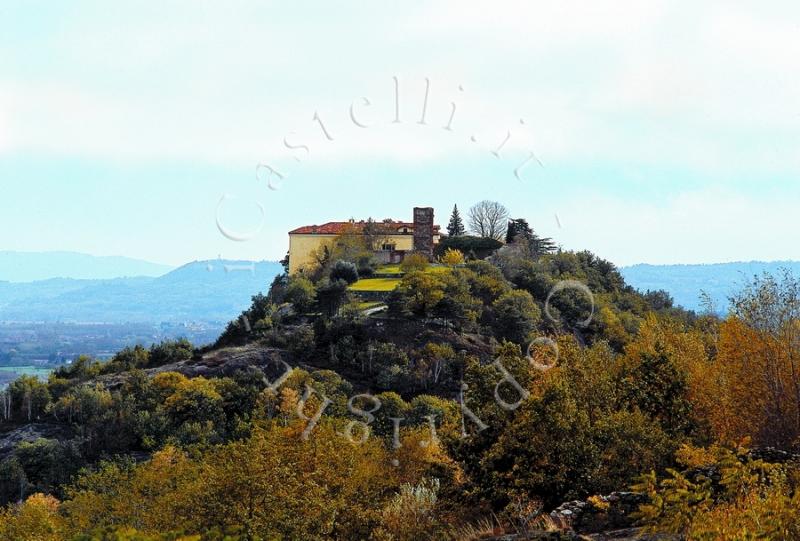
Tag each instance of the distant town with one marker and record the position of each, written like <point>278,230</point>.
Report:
<point>37,348</point>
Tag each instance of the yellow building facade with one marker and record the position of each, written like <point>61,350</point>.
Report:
<point>395,239</point>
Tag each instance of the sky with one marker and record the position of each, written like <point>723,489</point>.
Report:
<point>646,132</point>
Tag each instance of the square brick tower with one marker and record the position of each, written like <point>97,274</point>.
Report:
<point>423,230</point>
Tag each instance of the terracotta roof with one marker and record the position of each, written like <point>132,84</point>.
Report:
<point>337,228</point>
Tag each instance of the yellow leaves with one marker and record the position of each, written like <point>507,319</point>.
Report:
<point>452,257</point>
<point>132,534</point>
<point>614,330</point>
<point>599,503</point>
<point>154,497</point>
<point>414,263</point>
<point>752,500</point>
<point>753,386</point>
<point>695,457</point>
<point>289,400</point>
<point>195,386</point>
<point>420,451</point>
<point>685,346</point>
<point>167,382</point>
<point>712,383</point>
<point>36,519</point>
<point>272,485</point>
<point>410,514</point>
<point>424,290</point>
<point>767,513</point>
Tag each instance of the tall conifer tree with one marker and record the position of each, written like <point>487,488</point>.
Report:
<point>456,226</point>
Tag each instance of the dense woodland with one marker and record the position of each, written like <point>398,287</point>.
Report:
<point>487,394</point>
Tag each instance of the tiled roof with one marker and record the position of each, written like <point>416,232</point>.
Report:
<point>337,228</point>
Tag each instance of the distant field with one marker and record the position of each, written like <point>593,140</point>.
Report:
<point>40,373</point>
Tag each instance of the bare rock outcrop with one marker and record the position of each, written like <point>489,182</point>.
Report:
<point>216,363</point>
<point>29,433</point>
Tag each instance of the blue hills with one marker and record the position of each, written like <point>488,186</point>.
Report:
<point>686,282</point>
<point>33,266</point>
<point>70,287</point>
<point>200,291</point>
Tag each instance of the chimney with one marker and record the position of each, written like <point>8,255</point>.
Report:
<point>423,230</point>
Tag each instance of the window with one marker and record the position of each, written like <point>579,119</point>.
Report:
<point>388,246</point>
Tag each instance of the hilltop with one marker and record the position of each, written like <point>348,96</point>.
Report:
<point>34,266</point>
<point>534,394</point>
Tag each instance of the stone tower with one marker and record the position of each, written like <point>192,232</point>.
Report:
<point>423,230</point>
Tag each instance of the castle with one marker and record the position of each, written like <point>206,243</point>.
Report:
<point>392,240</point>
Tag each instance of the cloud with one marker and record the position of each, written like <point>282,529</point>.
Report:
<point>709,87</point>
<point>694,97</point>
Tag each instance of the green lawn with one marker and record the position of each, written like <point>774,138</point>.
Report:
<point>375,284</point>
<point>366,305</point>
<point>389,269</point>
<point>388,284</point>
<point>395,269</point>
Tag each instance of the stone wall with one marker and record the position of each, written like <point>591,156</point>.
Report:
<point>599,514</point>
<point>423,230</point>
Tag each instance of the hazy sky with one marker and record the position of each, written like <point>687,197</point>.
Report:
<point>667,131</point>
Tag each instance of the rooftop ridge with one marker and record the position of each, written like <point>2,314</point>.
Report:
<point>336,228</point>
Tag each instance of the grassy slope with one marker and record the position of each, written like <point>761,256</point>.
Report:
<point>375,284</point>
<point>388,284</point>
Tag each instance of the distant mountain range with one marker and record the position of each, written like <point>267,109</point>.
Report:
<point>31,266</point>
<point>72,287</point>
<point>686,282</point>
<point>201,291</point>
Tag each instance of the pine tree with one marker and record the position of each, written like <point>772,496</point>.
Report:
<point>456,226</point>
<point>516,227</point>
<point>542,245</point>
<point>519,229</point>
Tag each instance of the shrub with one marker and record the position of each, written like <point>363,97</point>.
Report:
<point>366,266</point>
<point>414,262</point>
<point>344,270</point>
<point>301,341</point>
<point>171,351</point>
<point>516,315</point>
<point>300,292</point>
<point>452,257</point>
<point>481,247</point>
<point>410,515</point>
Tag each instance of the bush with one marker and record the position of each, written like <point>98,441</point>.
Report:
<point>171,351</point>
<point>481,247</point>
<point>300,292</point>
<point>366,266</point>
<point>331,294</point>
<point>516,315</point>
<point>344,270</point>
<point>410,515</point>
<point>301,342</point>
<point>414,262</point>
<point>127,359</point>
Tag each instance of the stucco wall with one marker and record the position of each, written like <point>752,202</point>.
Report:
<point>402,242</point>
<point>302,245</point>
